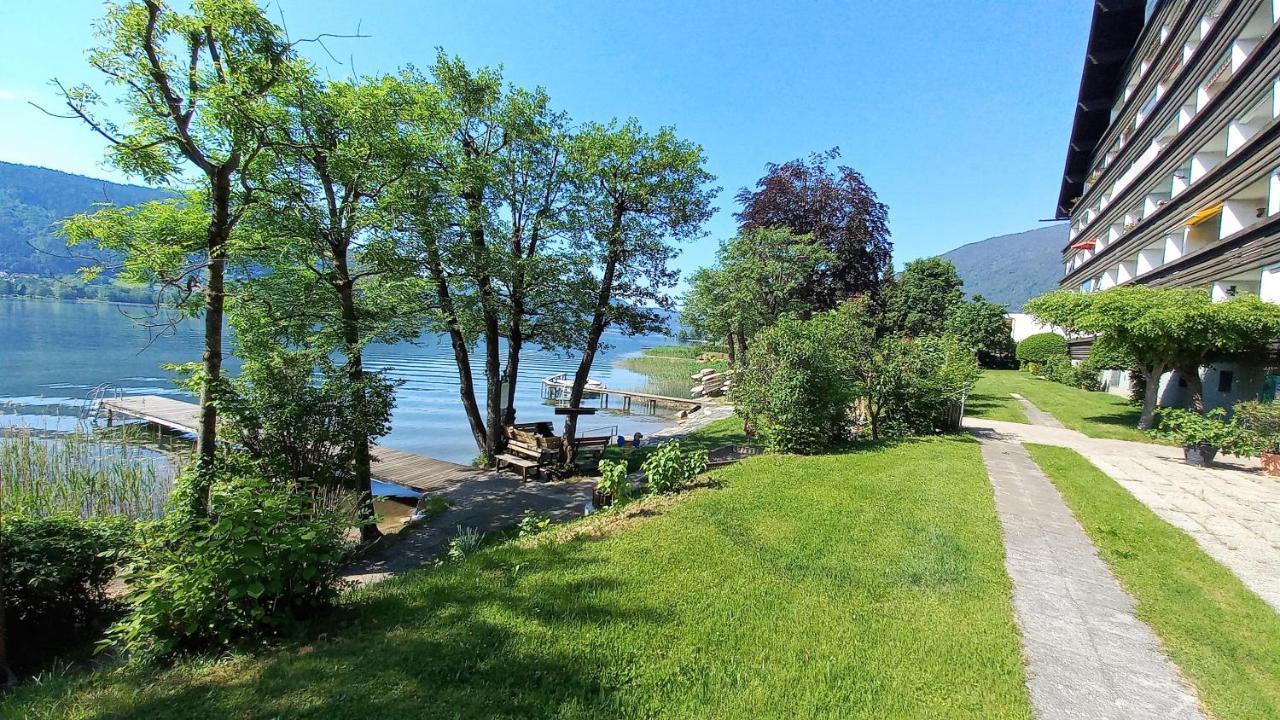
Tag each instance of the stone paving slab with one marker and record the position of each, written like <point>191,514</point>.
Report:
<point>1035,415</point>
<point>1087,655</point>
<point>1231,510</point>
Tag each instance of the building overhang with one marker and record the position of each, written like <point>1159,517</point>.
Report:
<point>1112,37</point>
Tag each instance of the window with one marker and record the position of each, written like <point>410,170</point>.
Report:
<point>1225,377</point>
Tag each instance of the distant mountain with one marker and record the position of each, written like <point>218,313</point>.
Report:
<point>1011,269</point>
<point>34,199</point>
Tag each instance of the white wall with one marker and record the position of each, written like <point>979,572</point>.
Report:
<point>1025,326</point>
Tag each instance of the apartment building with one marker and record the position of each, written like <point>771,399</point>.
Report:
<point>1173,169</point>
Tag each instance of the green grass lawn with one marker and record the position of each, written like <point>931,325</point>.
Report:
<point>1224,637</point>
<point>988,399</point>
<point>868,584</point>
<point>1096,414</point>
<point>668,367</point>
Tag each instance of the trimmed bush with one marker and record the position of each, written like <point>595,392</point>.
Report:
<point>1040,347</point>
<point>55,575</point>
<point>794,390</point>
<point>266,556</point>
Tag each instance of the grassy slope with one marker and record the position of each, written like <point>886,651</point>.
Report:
<point>1096,414</point>
<point>990,400</point>
<point>669,368</point>
<point>1225,638</point>
<point>867,584</point>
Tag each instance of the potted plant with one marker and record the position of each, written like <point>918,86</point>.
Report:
<point>613,486</point>
<point>1262,420</point>
<point>1202,435</point>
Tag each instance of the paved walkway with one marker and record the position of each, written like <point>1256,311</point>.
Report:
<point>1035,415</point>
<point>495,501</point>
<point>488,503</point>
<point>1232,510</point>
<point>1087,655</point>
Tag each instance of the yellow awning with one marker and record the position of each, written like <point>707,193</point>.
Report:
<point>1204,214</point>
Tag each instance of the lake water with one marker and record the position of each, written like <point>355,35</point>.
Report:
<point>53,355</point>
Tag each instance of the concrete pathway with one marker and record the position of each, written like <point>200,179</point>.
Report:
<point>1231,509</point>
<point>1087,655</point>
<point>496,501</point>
<point>1035,415</point>
<point>488,503</point>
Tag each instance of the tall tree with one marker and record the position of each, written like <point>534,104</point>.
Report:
<point>1163,329</point>
<point>196,86</point>
<point>924,296</point>
<point>760,275</point>
<point>637,193</point>
<point>983,327</point>
<point>838,209</point>
<point>494,236</point>
<point>337,283</point>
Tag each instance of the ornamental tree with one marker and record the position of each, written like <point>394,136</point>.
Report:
<point>1164,329</point>
<point>841,213</point>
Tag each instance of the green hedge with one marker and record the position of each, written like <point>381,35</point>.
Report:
<point>1039,348</point>
<point>55,575</point>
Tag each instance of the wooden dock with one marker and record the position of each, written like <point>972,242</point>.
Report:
<point>418,472</point>
<point>557,385</point>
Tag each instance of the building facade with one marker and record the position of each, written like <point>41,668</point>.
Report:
<point>1173,169</point>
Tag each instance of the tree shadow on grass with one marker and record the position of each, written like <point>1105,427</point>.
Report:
<point>490,637</point>
<point>1124,418</point>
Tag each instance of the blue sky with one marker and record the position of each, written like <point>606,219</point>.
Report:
<point>957,113</point>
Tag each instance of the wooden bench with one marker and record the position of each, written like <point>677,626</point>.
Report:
<point>523,464</point>
<point>530,456</point>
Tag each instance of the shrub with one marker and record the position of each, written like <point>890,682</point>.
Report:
<point>55,573</point>
<point>613,480</point>
<point>668,468</point>
<point>1040,347</point>
<point>1263,421</point>
<point>795,390</point>
<point>1187,427</point>
<point>265,557</point>
<point>909,386</point>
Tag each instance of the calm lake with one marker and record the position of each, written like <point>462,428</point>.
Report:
<point>53,355</point>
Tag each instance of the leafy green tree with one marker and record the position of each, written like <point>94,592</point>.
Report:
<point>1041,348</point>
<point>196,88</point>
<point>337,281</point>
<point>924,296</point>
<point>489,220</point>
<point>907,384</point>
<point>636,194</point>
<point>1164,329</point>
<point>703,312</point>
<point>983,327</point>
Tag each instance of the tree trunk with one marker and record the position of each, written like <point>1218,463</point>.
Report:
<point>733,355</point>
<point>362,461</point>
<point>1195,386</point>
<point>466,383</point>
<point>742,347</point>
<point>214,304</point>
<point>492,331</point>
<point>1149,399</point>
<point>599,322</point>
<point>515,344</point>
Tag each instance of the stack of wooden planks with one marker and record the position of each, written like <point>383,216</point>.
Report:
<point>711,382</point>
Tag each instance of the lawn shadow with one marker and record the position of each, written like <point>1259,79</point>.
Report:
<point>471,640</point>
<point>1125,418</point>
<point>983,403</point>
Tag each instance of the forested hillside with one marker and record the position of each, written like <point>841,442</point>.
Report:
<point>1011,269</point>
<point>33,200</point>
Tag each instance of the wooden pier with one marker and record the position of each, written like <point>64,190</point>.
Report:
<point>560,385</point>
<point>418,472</point>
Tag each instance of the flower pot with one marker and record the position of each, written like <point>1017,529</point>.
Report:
<point>601,499</point>
<point>1271,463</point>
<point>1199,455</point>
